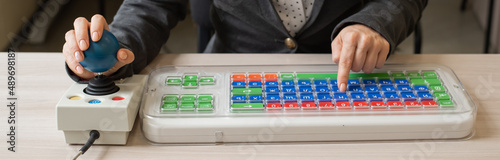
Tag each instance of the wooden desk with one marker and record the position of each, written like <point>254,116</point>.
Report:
<point>42,81</point>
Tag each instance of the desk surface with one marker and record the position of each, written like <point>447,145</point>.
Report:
<point>41,81</point>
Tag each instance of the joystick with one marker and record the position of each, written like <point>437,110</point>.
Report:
<point>103,105</point>
<point>100,57</point>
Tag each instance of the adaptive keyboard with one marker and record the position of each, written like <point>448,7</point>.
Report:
<point>215,104</point>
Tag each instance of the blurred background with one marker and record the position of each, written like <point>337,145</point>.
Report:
<point>447,26</point>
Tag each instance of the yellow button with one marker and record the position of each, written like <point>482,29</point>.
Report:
<point>75,98</point>
<point>290,43</point>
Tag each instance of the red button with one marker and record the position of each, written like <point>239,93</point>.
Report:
<point>395,105</point>
<point>118,98</point>
<point>326,105</point>
<point>254,76</point>
<point>378,105</point>
<point>308,105</point>
<point>273,106</point>
<point>271,77</point>
<point>429,104</point>
<point>343,105</point>
<point>412,105</point>
<point>291,105</point>
<point>360,105</point>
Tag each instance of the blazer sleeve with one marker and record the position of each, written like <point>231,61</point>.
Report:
<point>143,27</point>
<point>393,19</point>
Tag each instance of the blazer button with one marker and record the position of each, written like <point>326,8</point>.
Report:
<point>290,43</point>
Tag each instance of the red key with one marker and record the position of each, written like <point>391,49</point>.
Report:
<point>412,105</point>
<point>308,105</point>
<point>238,77</point>
<point>378,105</point>
<point>343,105</point>
<point>429,104</point>
<point>291,106</point>
<point>271,77</point>
<point>326,106</point>
<point>360,105</point>
<point>254,77</point>
<point>395,105</point>
<point>273,106</point>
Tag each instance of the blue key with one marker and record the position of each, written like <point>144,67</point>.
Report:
<point>307,97</point>
<point>273,97</point>
<point>385,81</point>
<point>288,90</point>
<point>335,88</point>
<point>407,95</point>
<point>238,98</point>
<point>401,81</point>
<point>290,97</point>
<point>239,84</point>
<point>421,88</point>
<point>272,83</point>
<point>353,82</point>
<point>374,95</point>
<point>272,90</point>
<point>357,96</point>
<point>254,84</point>
<point>340,96</point>
<point>370,81</point>
<point>305,89</point>
<point>255,98</point>
<point>320,82</point>
<point>305,82</point>
<point>388,88</point>
<point>404,88</point>
<point>322,89</point>
<point>287,83</point>
<point>391,95</point>
<point>425,95</point>
<point>355,88</point>
<point>333,82</point>
<point>371,88</point>
<point>324,96</point>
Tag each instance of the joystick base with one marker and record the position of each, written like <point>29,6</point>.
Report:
<point>101,85</point>
<point>113,115</point>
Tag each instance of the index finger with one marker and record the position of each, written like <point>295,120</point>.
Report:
<point>97,24</point>
<point>345,63</point>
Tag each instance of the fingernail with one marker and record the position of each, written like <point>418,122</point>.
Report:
<point>94,36</point>
<point>78,69</point>
<point>342,87</point>
<point>83,44</point>
<point>123,55</point>
<point>78,56</point>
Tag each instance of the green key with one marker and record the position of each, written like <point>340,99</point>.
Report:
<point>204,98</point>
<point>205,106</point>
<point>430,75</point>
<point>413,74</point>
<point>398,74</point>
<point>437,88</point>
<point>442,96</point>
<point>206,80</point>
<point>432,81</point>
<point>174,80</point>
<point>250,91</point>
<point>446,102</point>
<point>191,77</point>
<point>357,75</point>
<point>316,75</point>
<point>170,99</point>
<point>190,84</point>
<point>187,99</point>
<point>286,76</point>
<point>247,106</point>
<point>186,106</point>
<point>169,106</point>
<point>418,82</point>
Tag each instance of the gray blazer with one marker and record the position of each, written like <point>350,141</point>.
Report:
<point>243,26</point>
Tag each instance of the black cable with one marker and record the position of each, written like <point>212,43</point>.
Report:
<point>93,136</point>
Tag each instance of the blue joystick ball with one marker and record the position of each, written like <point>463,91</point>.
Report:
<point>101,55</point>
